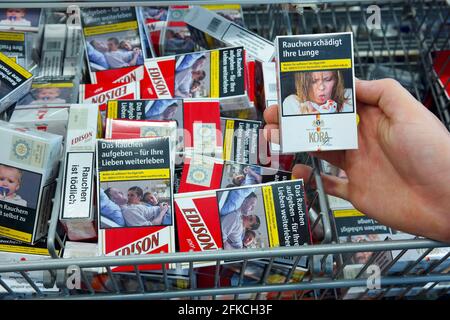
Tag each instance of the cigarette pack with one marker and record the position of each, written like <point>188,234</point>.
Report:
<point>15,82</point>
<point>53,45</point>
<point>14,46</point>
<point>232,34</point>
<point>231,12</point>
<point>266,89</point>
<point>232,275</point>
<point>112,37</point>
<point>198,121</point>
<point>127,129</point>
<point>176,37</point>
<point>122,75</point>
<point>79,159</point>
<point>51,119</point>
<point>270,83</point>
<point>79,249</point>
<point>74,42</point>
<point>241,140</point>
<point>257,216</point>
<point>141,118</point>
<point>135,198</point>
<point>354,226</point>
<point>316,94</point>
<point>15,252</point>
<point>220,74</point>
<point>155,21</point>
<point>20,19</point>
<point>101,93</point>
<point>51,91</point>
<point>154,117</point>
<point>392,262</point>
<point>74,51</point>
<point>28,167</point>
<point>202,173</point>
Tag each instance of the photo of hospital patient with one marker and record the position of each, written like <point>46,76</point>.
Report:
<point>114,50</point>
<point>135,203</point>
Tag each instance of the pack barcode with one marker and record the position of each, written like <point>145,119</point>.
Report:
<point>214,25</point>
<point>272,87</point>
<point>53,45</point>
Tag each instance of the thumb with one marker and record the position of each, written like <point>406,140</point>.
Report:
<point>332,185</point>
<point>387,94</point>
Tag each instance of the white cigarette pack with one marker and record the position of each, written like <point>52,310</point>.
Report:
<point>28,167</point>
<point>52,60</point>
<point>316,92</point>
<point>229,32</point>
<point>51,119</point>
<point>79,160</point>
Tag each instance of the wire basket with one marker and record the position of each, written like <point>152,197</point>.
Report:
<point>402,46</point>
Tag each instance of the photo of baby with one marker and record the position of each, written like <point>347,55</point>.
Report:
<point>135,203</point>
<point>49,94</point>
<point>317,92</point>
<point>192,79</point>
<point>14,181</point>
<point>242,218</point>
<point>13,18</point>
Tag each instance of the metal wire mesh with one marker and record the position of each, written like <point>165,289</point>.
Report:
<point>402,47</point>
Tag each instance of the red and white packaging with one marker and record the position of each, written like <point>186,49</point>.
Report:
<point>129,129</point>
<point>101,93</point>
<point>257,216</point>
<point>250,74</point>
<point>198,121</point>
<point>155,21</point>
<point>124,164</point>
<point>201,173</point>
<point>122,75</point>
<point>124,129</point>
<point>198,221</point>
<point>138,74</point>
<point>137,241</point>
<point>175,37</point>
<point>202,131</point>
<point>226,76</point>
<point>160,73</point>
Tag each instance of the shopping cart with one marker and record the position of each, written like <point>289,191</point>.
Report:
<point>403,46</point>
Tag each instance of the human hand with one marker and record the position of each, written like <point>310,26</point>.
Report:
<point>137,51</point>
<point>400,173</point>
